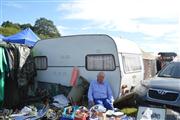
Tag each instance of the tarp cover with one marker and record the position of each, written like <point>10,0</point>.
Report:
<point>27,37</point>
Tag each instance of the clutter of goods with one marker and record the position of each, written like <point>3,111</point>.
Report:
<point>63,111</point>
<point>60,108</point>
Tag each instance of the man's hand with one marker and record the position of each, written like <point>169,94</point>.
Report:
<point>91,103</point>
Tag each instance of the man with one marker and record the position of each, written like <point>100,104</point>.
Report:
<point>100,92</point>
<point>158,63</point>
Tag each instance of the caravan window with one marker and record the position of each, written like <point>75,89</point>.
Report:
<point>131,63</point>
<point>103,62</point>
<point>41,62</point>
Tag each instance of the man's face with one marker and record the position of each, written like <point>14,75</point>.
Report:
<point>100,78</point>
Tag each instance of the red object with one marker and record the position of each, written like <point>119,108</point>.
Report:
<point>74,76</point>
<point>83,118</point>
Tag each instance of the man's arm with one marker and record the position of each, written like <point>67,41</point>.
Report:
<point>110,95</point>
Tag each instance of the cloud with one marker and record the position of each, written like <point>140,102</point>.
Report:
<point>153,18</point>
<point>120,14</point>
<point>156,46</point>
<point>157,20</point>
<point>160,47</point>
<point>62,29</point>
<point>178,36</point>
<point>121,9</point>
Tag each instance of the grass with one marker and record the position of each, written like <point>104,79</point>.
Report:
<point>130,111</point>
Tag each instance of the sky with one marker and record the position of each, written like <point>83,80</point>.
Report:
<point>152,24</point>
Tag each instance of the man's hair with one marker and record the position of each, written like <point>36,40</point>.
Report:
<point>101,74</point>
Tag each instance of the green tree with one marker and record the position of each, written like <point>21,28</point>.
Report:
<point>8,28</point>
<point>7,31</point>
<point>45,28</point>
<point>28,25</point>
<point>11,25</point>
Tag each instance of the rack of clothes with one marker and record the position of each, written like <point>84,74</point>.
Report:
<point>17,73</point>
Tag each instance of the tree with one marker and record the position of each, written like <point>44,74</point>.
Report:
<point>7,31</point>
<point>43,28</point>
<point>24,26</point>
<point>46,28</point>
<point>11,25</point>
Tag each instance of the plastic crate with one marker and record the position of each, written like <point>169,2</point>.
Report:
<point>71,116</point>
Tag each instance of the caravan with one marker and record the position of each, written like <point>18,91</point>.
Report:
<point>120,59</point>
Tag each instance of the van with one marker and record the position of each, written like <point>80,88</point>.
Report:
<point>120,59</point>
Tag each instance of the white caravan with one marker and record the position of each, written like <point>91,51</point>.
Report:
<point>120,59</point>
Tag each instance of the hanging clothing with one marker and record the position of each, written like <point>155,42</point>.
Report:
<point>19,73</point>
<point>3,70</point>
<point>11,91</point>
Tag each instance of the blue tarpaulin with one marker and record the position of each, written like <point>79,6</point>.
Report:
<point>27,37</point>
